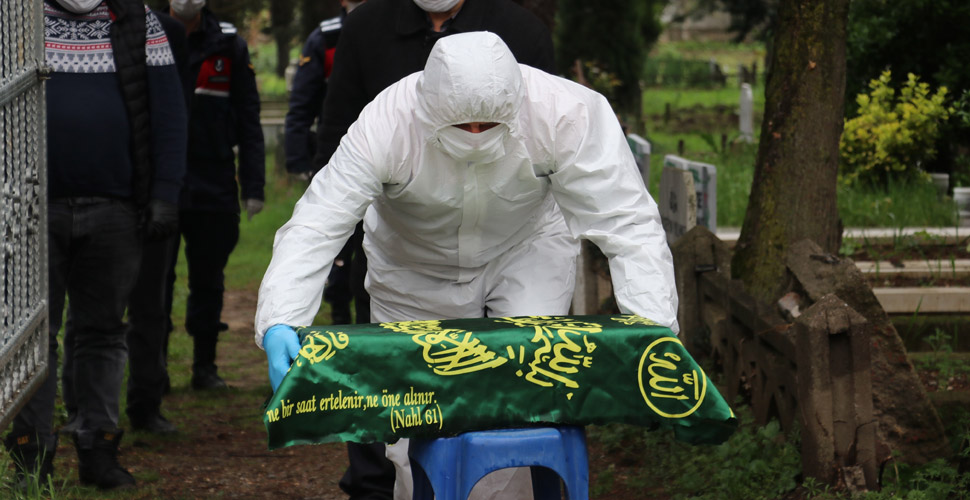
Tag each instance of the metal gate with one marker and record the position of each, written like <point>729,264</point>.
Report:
<point>23,205</point>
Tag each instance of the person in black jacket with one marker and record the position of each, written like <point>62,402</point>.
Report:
<point>382,42</point>
<point>306,104</point>
<point>223,114</point>
<point>115,159</point>
<point>386,40</point>
<point>149,321</point>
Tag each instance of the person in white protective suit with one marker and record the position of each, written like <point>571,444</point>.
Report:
<point>477,175</point>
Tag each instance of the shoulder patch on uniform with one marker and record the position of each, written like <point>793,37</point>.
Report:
<point>227,28</point>
<point>331,24</point>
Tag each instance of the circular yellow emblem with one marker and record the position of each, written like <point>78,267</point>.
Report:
<point>668,382</point>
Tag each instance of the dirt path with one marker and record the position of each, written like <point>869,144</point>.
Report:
<point>220,450</point>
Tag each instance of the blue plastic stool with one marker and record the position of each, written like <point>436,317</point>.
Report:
<point>450,467</point>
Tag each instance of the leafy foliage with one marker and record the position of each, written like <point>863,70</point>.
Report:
<point>919,37</point>
<point>908,36</point>
<point>892,136</point>
<point>748,17</point>
<point>757,462</point>
<point>612,35</point>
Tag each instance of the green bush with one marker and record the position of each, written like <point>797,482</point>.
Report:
<point>271,87</point>
<point>892,136</point>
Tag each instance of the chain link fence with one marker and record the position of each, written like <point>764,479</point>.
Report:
<point>23,205</point>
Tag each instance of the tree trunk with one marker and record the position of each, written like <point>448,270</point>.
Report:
<point>281,24</point>
<point>793,195</point>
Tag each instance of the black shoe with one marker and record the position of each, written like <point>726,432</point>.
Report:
<point>154,423</point>
<point>33,462</point>
<point>97,457</point>
<point>207,379</point>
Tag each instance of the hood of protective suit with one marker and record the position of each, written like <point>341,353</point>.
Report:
<point>469,77</point>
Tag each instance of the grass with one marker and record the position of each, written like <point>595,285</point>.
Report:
<point>735,171</point>
<point>899,205</point>
<point>728,55</point>
<point>655,100</point>
<point>757,462</point>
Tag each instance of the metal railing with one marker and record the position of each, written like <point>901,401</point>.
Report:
<point>23,205</point>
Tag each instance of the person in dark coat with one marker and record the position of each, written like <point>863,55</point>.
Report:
<point>223,115</point>
<point>387,40</point>
<point>115,160</point>
<point>306,105</point>
<point>149,321</point>
<point>384,41</point>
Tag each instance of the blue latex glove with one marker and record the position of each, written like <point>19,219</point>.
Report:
<point>282,345</point>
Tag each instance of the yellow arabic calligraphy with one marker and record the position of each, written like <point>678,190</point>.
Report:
<point>320,347</point>
<point>633,319</point>
<point>665,386</point>
<point>448,351</point>
<point>558,354</point>
<point>657,379</point>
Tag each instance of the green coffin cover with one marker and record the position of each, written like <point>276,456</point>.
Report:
<point>380,382</point>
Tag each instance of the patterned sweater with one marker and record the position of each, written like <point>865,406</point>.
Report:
<point>88,133</point>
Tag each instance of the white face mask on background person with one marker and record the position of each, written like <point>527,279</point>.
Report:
<point>436,5</point>
<point>483,147</point>
<point>187,9</point>
<point>79,6</point>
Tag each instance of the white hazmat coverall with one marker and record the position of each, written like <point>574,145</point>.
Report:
<point>463,225</point>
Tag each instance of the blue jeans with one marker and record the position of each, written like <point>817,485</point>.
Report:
<point>94,253</point>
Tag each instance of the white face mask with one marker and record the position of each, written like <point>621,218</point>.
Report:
<point>187,9</point>
<point>484,147</point>
<point>79,6</point>
<point>436,5</point>
<point>350,6</point>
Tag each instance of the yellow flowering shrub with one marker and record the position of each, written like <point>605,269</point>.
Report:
<point>892,135</point>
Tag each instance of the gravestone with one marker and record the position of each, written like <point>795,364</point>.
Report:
<point>705,184</point>
<point>745,114</point>
<point>678,202</point>
<point>641,153</point>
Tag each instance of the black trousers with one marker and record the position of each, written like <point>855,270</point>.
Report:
<point>346,282</point>
<point>148,326</point>
<point>210,238</point>
<point>94,253</point>
<point>370,475</point>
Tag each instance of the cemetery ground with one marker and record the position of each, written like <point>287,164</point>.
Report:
<point>220,450</point>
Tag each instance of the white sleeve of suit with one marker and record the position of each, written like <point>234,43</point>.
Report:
<point>323,219</point>
<point>601,194</point>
